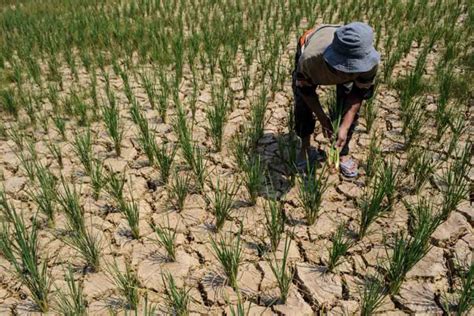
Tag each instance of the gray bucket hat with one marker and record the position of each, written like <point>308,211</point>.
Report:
<point>352,50</point>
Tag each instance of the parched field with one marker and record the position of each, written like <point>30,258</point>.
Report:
<point>147,162</point>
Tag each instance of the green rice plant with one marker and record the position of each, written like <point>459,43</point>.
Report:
<point>241,150</point>
<point>163,96</point>
<point>216,118</point>
<point>464,291</point>
<point>407,251</point>
<point>178,191</point>
<point>184,135</point>
<point>73,302</point>
<point>20,248</point>
<point>340,246</point>
<point>28,161</point>
<point>53,96</point>
<point>111,115</point>
<point>371,205</point>
<point>389,175</point>
<point>288,150</point>
<point>257,118</point>
<point>115,184</point>
<point>17,136</point>
<point>456,185</point>
<point>45,196</point>
<point>88,246</point>
<point>30,108</point>
<point>370,114</point>
<point>177,299</point>
<point>83,149</point>
<point>333,151</point>
<point>275,222</point>
<point>60,125</point>
<point>373,294</point>
<point>412,119</point>
<point>7,209</point>
<point>69,199</point>
<point>150,89</point>
<point>254,176</point>
<point>458,127</point>
<point>312,187</point>
<point>373,157</point>
<point>283,273</point>
<point>98,178</point>
<point>422,167</point>
<point>166,239</point>
<point>127,283</point>
<point>199,168</point>
<point>164,159</point>
<point>222,203</point>
<point>240,309</point>
<point>56,151</point>
<point>9,102</point>
<point>229,255</point>
<point>132,214</point>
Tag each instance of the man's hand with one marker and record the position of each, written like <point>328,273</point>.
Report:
<point>341,138</point>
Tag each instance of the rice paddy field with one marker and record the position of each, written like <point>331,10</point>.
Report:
<point>147,162</point>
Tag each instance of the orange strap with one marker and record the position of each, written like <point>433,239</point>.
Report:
<point>302,40</point>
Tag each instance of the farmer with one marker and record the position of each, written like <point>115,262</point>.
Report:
<point>333,55</point>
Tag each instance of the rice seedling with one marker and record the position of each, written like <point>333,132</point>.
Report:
<point>9,102</point>
<point>115,184</point>
<point>60,125</point>
<point>199,168</point>
<point>166,239</point>
<point>150,89</point>
<point>87,244</point>
<point>127,283</point>
<point>288,150</point>
<point>254,176</point>
<point>371,206</point>
<point>178,191</point>
<point>163,96</point>
<point>373,157</point>
<point>458,127</point>
<point>241,150</point>
<point>389,180</point>
<point>275,222</point>
<point>312,187</point>
<point>164,159</point>
<point>177,299</point>
<point>98,178</point>
<point>422,167</point>
<point>6,208</point>
<point>28,161</point>
<point>240,309</point>
<point>257,118</point>
<point>222,203</point>
<point>464,290</point>
<point>370,114</point>
<point>73,302</point>
<point>19,246</point>
<point>340,246</point>
<point>229,254</point>
<point>132,215</point>
<point>283,273</point>
<point>45,196</point>
<point>372,296</point>
<point>83,149</point>
<point>412,119</point>
<point>333,151</point>
<point>184,135</point>
<point>56,151</point>
<point>216,118</point>
<point>455,186</point>
<point>112,122</point>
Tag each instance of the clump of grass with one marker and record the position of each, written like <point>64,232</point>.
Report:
<point>464,291</point>
<point>184,135</point>
<point>178,191</point>
<point>6,208</point>
<point>275,223</point>
<point>83,149</point>
<point>166,239</point>
<point>229,255</point>
<point>373,294</point>
<point>340,246</point>
<point>422,166</point>
<point>98,178</point>
<point>177,299</point>
<point>111,115</point>
<point>115,185</point>
<point>222,203</point>
<point>73,302</point>
<point>455,183</point>
<point>412,120</point>
<point>282,273</point>
<point>132,214</point>
<point>150,89</point>
<point>60,125</point>
<point>370,114</point>
<point>288,150</point>
<point>216,118</point>
<point>254,176</point>
<point>45,196</point>
<point>199,169</point>
<point>20,247</point>
<point>127,283</point>
<point>164,158</point>
<point>257,118</point>
<point>56,152</point>
<point>373,157</point>
<point>311,190</point>
<point>372,203</point>
<point>9,102</point>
